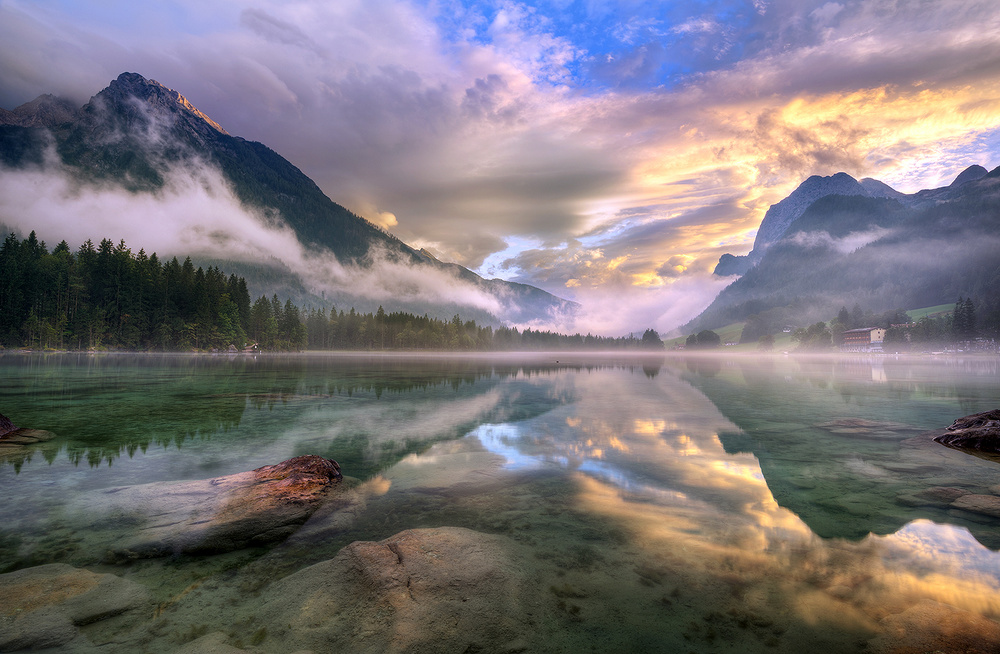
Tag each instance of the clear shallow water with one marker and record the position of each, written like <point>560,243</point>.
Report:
<point>656,503</point>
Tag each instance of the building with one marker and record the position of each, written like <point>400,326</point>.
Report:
<point>866,339</point>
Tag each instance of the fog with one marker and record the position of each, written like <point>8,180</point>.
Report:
<point>197,214</point>
<point>845,244</point>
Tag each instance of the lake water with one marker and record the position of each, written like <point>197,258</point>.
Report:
<point>653,503</point>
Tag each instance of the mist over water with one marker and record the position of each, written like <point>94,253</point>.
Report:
<point>655,502</point>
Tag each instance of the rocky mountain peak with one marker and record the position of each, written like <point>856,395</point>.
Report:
<point>878,189</point>
<point>44,111</point>
<point>128,86</point>
<point>781,215</point>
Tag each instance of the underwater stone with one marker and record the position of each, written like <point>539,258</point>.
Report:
<point>979,432</point>
<point>42,607</point>
<point>213,643</point>
<point>939,496</point>
<point>447,589</point>
<point>210,516</point>
<point>985,504</point>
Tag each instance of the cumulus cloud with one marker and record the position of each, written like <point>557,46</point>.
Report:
<point>468,128</point>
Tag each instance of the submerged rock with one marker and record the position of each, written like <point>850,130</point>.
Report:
<point>42,607</point>
<point>977,434</point>
<point>938,496</point>
<point>213,515</point>
<point>447,589</point>
<point>862,428</point>
<point>983,504</point>
<point>213,643</point>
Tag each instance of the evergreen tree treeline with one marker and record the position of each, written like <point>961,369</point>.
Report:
<point>108,297</point>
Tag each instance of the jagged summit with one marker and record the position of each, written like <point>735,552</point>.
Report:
<point>122,93</point>
<point>879,189</point>
<point>782,214</point>
<point>137,135</point>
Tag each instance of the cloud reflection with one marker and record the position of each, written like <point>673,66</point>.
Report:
<point>645,453</point>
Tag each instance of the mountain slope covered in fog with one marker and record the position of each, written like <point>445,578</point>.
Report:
<point>140,152</point>
<point>881,253</point>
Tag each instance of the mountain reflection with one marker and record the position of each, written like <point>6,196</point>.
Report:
<point>843,442</point>
<point>646,453</point>
<point>105,406</point>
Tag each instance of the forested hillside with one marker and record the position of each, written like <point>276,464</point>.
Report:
<point>107,297</point>
<point>136,134</point>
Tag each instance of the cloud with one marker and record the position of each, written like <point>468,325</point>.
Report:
<point>196,213</point>
<point>845,244</point>
<point>468,128</point>
<point>274,29</point>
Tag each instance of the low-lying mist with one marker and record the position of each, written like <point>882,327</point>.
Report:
<point>197,214</point>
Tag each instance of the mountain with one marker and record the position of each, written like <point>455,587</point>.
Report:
<point>970,174</point>
<point>881,253</point>
<point>136,133</point>
<point>781,215</point>
<point>44,111</point>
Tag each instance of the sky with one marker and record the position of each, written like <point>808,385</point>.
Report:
<point>607,152</point>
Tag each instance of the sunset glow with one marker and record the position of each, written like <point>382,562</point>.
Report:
<point>590,149</point>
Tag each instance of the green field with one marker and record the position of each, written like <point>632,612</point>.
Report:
<point>934,312</point>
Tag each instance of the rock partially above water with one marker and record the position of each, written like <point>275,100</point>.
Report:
<point>18,444</point>
<point>6,426</point>
<point>213,515</point>
<point>42,607</point>
<point>978,433</point>
<point>12,436</point>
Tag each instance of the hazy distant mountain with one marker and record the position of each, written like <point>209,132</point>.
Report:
<point>882,253</point>
<point>781,215</point>
<point>134,132</point>
<point>44,111</point>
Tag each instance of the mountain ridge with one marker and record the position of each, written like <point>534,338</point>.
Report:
<point>135,131</point>
<point>921,249</point>
<point>781,215</point>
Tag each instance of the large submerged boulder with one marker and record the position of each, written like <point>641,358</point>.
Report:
<point>977,434</point>
<point>447,589</point>
<point>208,516</point>
<point>43,607</point>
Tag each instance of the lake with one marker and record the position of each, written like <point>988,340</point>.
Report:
<point>655,503</point>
